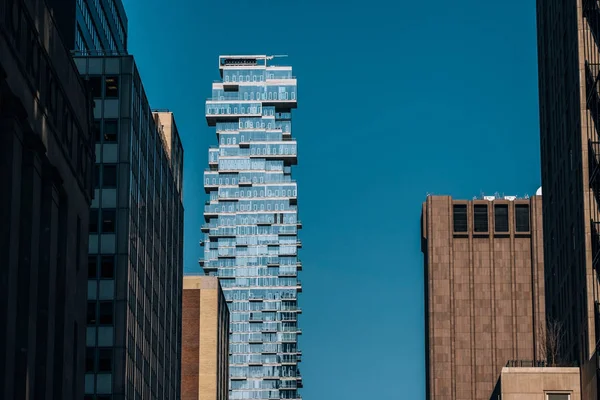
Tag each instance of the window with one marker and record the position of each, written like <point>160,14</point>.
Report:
<point>112,87</point>
<point>105,360</point>
<point>109,176</point>
<point>522,217</point>
<point>97,130</point>
<point>501,218</point>
<point>93,220</point>
<point>106,313</point>
<point>558,396</point>
<point>460,218</point>
<point>92,268</point>
<point>91,313</point>
<point>96,176</point>
<point>89,359</point>
<point>107,267</point>
<point>110,130</point>
<point>108,221</point>
<point>480,218</point>
<point>95,84</point>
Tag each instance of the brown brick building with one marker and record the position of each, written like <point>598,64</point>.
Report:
<point>205,340</point>
<point>46,163</point>
<point>484,291</point>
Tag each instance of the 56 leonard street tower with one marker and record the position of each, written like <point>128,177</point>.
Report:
<point>251,242</point>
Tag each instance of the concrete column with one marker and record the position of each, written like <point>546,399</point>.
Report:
<point>11,148</point>
<point>27,281</point>
<point>47,279</point>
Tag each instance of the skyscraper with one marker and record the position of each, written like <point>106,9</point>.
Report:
<point>46,163</point>
<point>251,240</point>
<point>569,72</point>
<point>484,292</point>
<point>91,26</point>
<point>135,266</point>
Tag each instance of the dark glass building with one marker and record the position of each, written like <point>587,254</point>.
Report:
<point>91,26</point>
<point>569,72</point>
<point>135,270</point>
<point>46,163</point>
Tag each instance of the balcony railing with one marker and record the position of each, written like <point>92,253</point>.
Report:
<point>591,11</point>
<point>536,364</point>
<point>596,244</point>
<point>591,87</point>
<point>594,168</point>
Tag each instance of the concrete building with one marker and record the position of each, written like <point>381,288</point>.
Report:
<point>484,291</point>
<point>569,69</point>
<point>135,268</point>
<point>91,27</point>
<point>205,340</point>
<point>46,162</point>
<point>252,225</point>
<point>519,382</point>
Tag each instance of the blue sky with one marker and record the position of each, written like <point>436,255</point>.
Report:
<point>397,99</point>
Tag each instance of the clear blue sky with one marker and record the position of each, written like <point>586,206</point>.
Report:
<point>396,99</point>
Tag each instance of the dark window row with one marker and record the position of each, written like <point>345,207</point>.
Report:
<point>106,270</point>
<point>100,313</point>
<point>106,131</point>
<point>480,218</point>
<point>98,359</point>
<point>110,84</point>
<point>103,220</point>
<point>105,176</point>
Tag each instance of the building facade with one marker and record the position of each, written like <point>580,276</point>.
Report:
<point>538,383</point>
<point>569,66</point>
<point>251,242</point>
<point>205,340</point>
<point>484,291</point>
<point>91,26</point>
<point>46,162</point>
<point>135,264</point>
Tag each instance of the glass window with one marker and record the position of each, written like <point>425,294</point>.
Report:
<point>91,312</point>
<point>92,267</point>
<point>480,218</point>
<point>96,176</point>
<point>108,221</point>
<point>97,130</point>
<point>501,218</point>
<point>95,85</point>
<point>107,267</point>
<point>89,359</point>
<point>106,313</point>
<point>558,396</point>
<point>522,217</point>
<point>112,87</point>
<point>110,130</point>
<point>93,220</point>
<point>104,360</point>
<point>109,176</point>
<point>460,217</point>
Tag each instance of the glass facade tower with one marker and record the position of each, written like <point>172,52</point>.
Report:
<point>251,231</point>
<point>101,26</point>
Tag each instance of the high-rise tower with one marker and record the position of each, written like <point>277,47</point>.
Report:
<point>484,292</point>
<point>91,27</point>
<point>135,259</point>
<point>251,240</point>
<point>569,75</point>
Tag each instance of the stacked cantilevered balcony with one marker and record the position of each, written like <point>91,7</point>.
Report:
<point>251,228</point>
